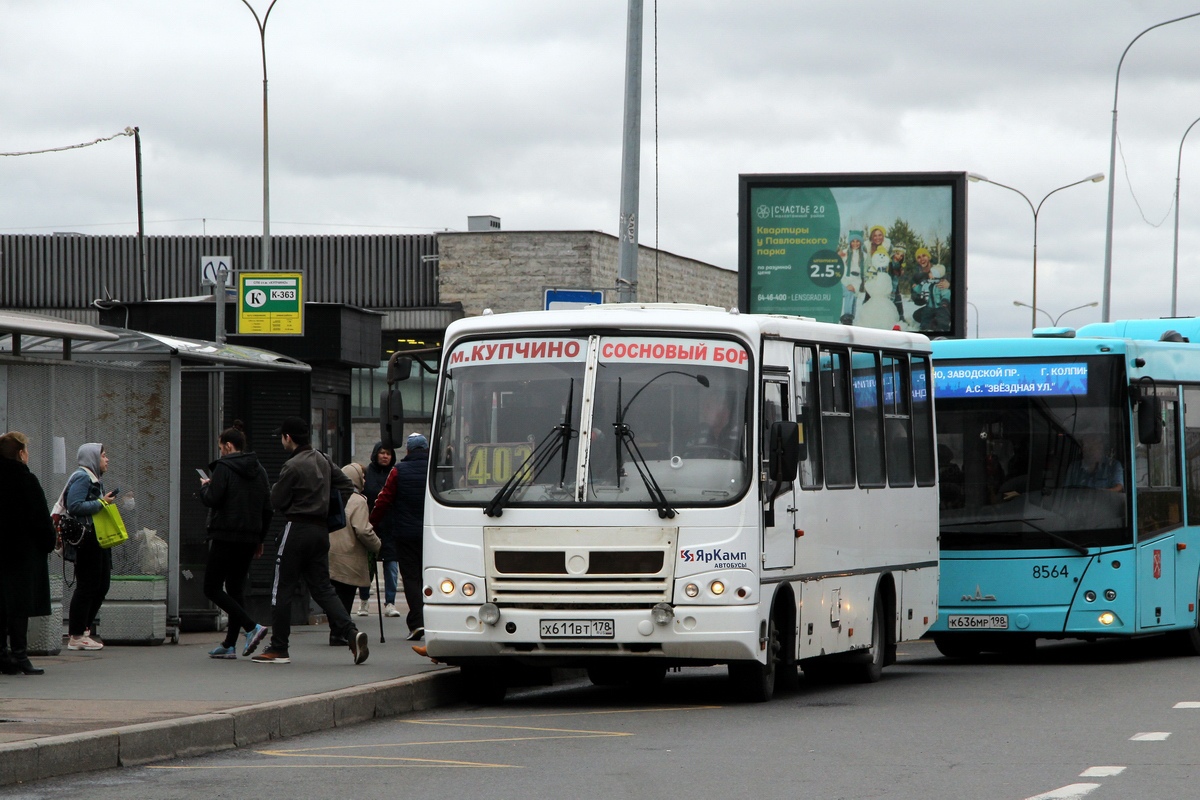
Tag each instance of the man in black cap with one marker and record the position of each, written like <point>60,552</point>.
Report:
<point>302,496</point>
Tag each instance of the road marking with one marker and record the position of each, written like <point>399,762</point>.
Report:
<point>1187,704</point>
<point>1152,736</point>
<point>1101,772</point>
<point>1067,792</point>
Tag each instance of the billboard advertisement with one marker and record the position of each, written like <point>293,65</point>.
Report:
<point>880,250</point>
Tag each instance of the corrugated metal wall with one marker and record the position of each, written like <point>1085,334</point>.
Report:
<point>70,271</point>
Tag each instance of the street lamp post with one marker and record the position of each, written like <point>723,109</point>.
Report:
<point>1175,258</point>
<point>1054,320</point>
<point>262,38</point>
<point>1112,166</point>
<point>972,305</point>
<point>976,178</point>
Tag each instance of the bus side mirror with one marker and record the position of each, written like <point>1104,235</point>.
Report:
<point>391,417</point>
<point>399,368</point>
<point>783,451</point>
<point>1150,425</point>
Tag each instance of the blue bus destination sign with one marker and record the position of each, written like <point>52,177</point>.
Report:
<point>993,379</point>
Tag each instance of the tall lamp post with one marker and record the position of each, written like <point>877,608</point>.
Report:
<point>262,38</point>
<point>1054,320</point>
<point>1175,259</point>
<point>972,305</point>
<point>976,178</point>
<point>1112,166</point>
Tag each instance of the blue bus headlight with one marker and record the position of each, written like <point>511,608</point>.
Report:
<point>1110,594</point>
<point>1108,618</point>
<point>1089,596</point>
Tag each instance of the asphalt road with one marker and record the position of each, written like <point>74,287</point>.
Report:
<point>1073,720</point>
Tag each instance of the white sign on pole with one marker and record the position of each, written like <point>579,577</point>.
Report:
<point>211,265</point>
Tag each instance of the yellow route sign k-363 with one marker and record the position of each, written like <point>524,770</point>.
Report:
<point>271,303</point>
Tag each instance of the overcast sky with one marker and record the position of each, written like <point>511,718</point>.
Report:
<point>406,117</point>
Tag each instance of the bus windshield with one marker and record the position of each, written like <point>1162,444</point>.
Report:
<point>663,428</point>
<point>1032,453</point>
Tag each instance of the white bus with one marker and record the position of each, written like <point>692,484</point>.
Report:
<point>628,488</point>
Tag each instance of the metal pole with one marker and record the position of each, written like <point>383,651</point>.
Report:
<point>262,38</point>
<point>1112,166</point>
<point>627,248</point>
<point>1175,257</point>
<point>141,237</point>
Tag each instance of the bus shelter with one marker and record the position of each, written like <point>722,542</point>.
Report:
<point>64,384</point>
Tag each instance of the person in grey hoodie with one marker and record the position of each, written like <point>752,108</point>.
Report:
<point>82,498</point>
<point>302,495</point>
<point>238,496</point>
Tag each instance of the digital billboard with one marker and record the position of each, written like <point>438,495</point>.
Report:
<point>880,250</point>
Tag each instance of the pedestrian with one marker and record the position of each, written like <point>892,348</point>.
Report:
<point>238,496</point>
<point>383,458</point>
<point>350,548</point>
<point>400,508</point>
<point>302,496</point>
<point>27,537</point>
<point>82,498</point>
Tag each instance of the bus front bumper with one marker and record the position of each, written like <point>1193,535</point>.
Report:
<point>700,633</point>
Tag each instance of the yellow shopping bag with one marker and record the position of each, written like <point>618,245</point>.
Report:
<point>110,528</point>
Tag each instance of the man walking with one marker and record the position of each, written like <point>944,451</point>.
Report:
<point>302,496</point>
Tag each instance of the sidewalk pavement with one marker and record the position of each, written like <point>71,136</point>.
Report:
<point>122,706</point>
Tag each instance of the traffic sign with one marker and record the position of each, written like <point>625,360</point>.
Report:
<point>572,298</point>
<point>210,266</point>
<point>271,304</point>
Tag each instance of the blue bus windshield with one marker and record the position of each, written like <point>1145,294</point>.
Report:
<point>1032,453</point>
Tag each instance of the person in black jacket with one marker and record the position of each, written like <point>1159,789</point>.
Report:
<point>26,538</point>
<point>238,496</point>
<point>400,509</point>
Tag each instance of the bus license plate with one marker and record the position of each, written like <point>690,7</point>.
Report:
<point>577,629</point>
<point>977,622</point>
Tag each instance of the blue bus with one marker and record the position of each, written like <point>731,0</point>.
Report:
<point>1069,471</point>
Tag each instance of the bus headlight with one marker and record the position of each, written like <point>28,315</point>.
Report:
<point>1108,618</point>
<point>717,587</point>
<point>662,614</point>
<point>468,589</point>
<point>1090,596</point>
<point>1110,594</point>
<point>447,586</point>
<point>691,590</point>
<point>489,613</point>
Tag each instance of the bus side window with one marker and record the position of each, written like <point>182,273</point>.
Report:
<point>922,421</point>
<point>868,418</point>
<point>1191,449</point>
<point>897,420</point>
<point>774,409</point>
<point>1159,488</point>
<point>808,414</point>
<point>837,433</point>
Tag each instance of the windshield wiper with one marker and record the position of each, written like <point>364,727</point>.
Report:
<point>1056,537</point>
<point>537,461</point>
<point>624,436</point>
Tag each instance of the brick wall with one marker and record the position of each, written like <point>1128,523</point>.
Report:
<point>510,270</point>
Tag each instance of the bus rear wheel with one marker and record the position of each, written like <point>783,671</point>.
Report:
<point>956,646</point>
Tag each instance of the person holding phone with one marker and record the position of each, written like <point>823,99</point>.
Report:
<point>82,498</point>
<point>238,496</point>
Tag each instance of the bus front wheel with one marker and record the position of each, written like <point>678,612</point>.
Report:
<point>754,682</point>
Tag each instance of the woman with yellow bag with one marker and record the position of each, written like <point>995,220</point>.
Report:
<point>84,498</point>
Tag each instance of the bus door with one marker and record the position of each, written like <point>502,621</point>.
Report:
<point>1159,514</point>
<point>778,528</point>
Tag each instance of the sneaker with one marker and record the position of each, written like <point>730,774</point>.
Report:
<point>417,634</point>
<point>359,647</point>
<point>390,610</point>
<point>362,609</point>
<point>221,651</point>
<point>272,656</point>
<point>83,643</point>
<point>253,638</point>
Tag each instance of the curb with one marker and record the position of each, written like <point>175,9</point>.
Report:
<point>133,745</point>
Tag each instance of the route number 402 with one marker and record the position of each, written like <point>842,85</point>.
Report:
<point>1044,571</point>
